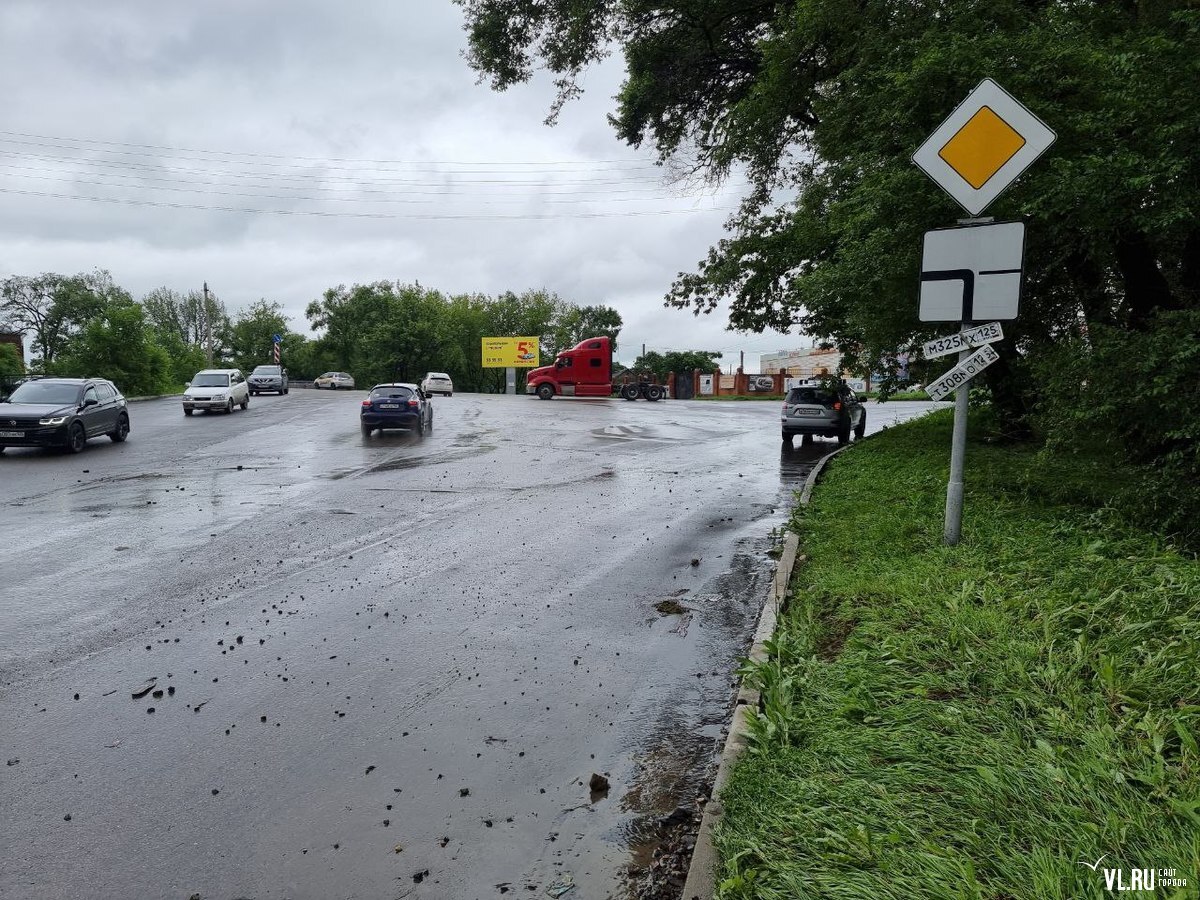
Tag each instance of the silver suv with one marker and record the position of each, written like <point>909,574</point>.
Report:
<point>269,378</point>
<point>828,408</point>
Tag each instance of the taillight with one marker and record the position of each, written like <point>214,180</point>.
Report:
<point>837,404</point>
<point>366,403</point>
<point>414,403</point>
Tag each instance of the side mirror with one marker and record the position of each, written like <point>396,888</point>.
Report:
<point>90,401</point>
<point>187,384</point>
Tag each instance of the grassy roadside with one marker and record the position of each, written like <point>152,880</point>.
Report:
<point>970,722</point>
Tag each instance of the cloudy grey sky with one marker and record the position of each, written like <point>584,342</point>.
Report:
<point>279,147</point>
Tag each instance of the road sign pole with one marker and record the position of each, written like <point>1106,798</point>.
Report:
<point>958,452</point>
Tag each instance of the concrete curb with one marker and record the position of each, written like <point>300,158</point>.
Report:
<point>701,881</point>
<point>153,397</point>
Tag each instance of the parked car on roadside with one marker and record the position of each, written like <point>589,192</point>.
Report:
<point>438,383</point>
<point>269,378</point>
<point>825,408</point>
<point>334,380</point>
<point>396,406</point>
<point>63,412</point>
<point>216,389</point>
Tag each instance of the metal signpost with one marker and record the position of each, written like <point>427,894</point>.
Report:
<point>973,272</point>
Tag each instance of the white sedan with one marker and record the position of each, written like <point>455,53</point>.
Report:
<point>335,380</point>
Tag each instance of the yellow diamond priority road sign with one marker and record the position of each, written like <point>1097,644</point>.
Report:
<point>983,147</point>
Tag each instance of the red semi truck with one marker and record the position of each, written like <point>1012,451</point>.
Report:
<point>586,371</point>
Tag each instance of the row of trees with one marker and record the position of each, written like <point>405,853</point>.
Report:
<point>87,324</point>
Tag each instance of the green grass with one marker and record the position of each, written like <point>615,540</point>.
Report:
<point>970,722</point>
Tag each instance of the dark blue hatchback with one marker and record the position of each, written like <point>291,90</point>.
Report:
<point>396,406</point>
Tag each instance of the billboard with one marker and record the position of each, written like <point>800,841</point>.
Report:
<point>510,352</point>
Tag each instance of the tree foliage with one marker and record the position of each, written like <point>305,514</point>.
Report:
<point>821,103</point>
<point>661,364</point>
<point>10,360</point>
<point>87,325</point>
<point>117,344</point>
<point>53,308</point>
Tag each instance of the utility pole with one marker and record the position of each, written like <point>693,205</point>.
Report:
<point>207,328</point>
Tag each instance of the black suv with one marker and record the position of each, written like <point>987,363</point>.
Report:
<point>828,408</point>
<point>63,412</point>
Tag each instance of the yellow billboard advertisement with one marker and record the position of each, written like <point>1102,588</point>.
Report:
<point>510,352</point>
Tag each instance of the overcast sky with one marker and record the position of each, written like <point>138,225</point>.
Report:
<point>345,143</point>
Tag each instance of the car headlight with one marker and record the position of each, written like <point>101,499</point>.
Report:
<point>218,396</point>
<point>53,420</point>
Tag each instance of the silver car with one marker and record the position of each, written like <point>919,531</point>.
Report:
<point>216,389</point>
<point>825,408</point>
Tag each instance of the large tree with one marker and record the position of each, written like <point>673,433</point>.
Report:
<point>821,103</point>
<point>53,308</point>
<point>117,344</point>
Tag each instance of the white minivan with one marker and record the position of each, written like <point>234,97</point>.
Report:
<point>216,389</point>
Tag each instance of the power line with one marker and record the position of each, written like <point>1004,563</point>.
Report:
<point>360,215</point>
<point>249,158</point>
<point>199,190</point>
<point>309,185</point>
<point>309,175</point>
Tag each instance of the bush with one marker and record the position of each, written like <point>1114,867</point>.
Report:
<point>1127,396</point>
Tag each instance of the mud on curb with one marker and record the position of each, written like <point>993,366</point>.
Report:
<point>701,876</point>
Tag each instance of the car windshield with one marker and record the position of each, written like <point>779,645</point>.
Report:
<point>439,376</point>
<point>210,379</point>
<point>326,375</point>
<point>809,395</point>
<point>45,392</point>
<point>391,393</point>
<point>267,370</point>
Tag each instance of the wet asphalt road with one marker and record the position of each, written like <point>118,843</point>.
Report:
<point>388,666</point>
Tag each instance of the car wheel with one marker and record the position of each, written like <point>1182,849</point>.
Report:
<point>806,441</point>
<point>122,431</point>
<point>245,404</point>
<point>654,393</point>
<point>861,428</point>
<point>229,407</point>
<point>285,390</point>
<point>843,435</point>
<point>449,393</point>
<point>430,425</point>
<point>366,430</point>
<point>421,425</point>
<point>76,438</point>
<point>629,391</point>
<point>787,439</point>
<point>188,412</point>
<point>545,391</point>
